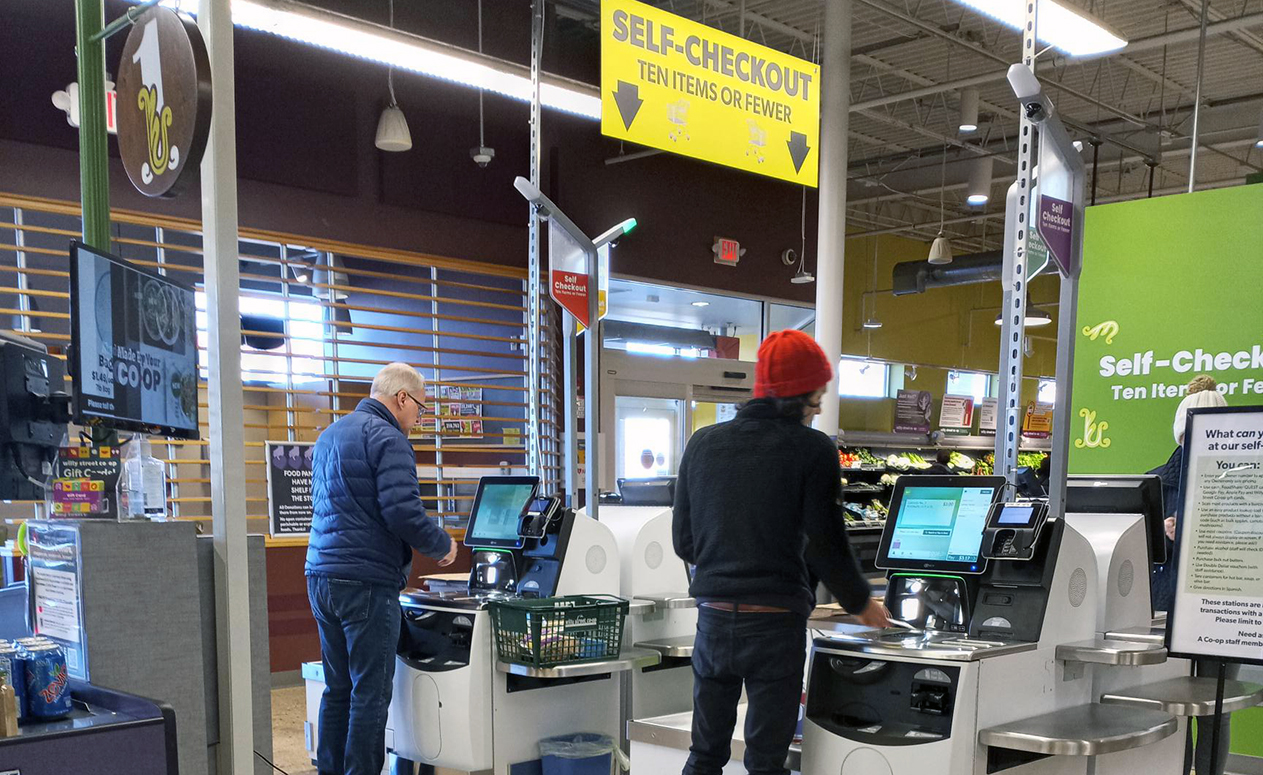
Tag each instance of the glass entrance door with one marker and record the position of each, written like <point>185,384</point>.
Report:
<point>648,439</point>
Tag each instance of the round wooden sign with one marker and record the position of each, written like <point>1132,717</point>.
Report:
<point>164,102</point>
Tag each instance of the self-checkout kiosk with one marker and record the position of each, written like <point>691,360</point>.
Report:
<point>1002,654</point>
<point>662,616</point>
<point>455,705</point>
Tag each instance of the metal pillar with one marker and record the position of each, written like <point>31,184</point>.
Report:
<point>94,170</point>
<point>1197,97</point>
<point>1062,175</point>
<point>592,384</point>
<point>1013,308</point>
<point>226,416</point>
<point>571,410</point>
<point>835,111</point>
<point>533,462</point>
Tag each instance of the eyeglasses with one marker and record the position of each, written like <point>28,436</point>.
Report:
<point>412,398</point>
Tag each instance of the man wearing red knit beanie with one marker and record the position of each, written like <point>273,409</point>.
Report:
<point>756,513</point>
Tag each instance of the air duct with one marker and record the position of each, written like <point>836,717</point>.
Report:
<point>670,336</point>
<point>919,276</point>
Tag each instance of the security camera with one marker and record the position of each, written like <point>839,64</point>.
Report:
<point>482,156</point>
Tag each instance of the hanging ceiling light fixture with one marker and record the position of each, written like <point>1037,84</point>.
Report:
<point>941,250</point>
<point>980,170</point>
<point>371,42</point>
<point>871,322</point>
<point>482,155</point>
<point>392,127</point>
<point>968,110</point>
<point>1035,317</point>
<point>802,276</point>
<point>1061,26</point>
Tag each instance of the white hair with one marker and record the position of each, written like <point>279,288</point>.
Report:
<point>395,377</point>
<point>1201,400</point>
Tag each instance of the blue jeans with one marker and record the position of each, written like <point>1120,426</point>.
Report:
<point>763,651</point>
<point>359,633</point>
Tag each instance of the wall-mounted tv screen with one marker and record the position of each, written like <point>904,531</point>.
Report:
<point>134,346</point>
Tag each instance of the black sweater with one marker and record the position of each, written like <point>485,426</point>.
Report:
<point>756,510</point>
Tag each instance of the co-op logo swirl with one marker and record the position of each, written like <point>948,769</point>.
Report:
<point>164,83</point>
<point>149,100</point>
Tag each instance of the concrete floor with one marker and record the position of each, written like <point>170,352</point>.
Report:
<point>289,712</point>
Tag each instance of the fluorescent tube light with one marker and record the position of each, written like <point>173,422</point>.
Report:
<point>1064,28</point>
<point>376,43</point>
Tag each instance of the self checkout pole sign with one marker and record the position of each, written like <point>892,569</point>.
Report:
<point>680,86</point>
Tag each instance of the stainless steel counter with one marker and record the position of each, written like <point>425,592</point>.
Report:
<point>953,647</point>
<point>1104,651</point>
<point>1151,634</point>
<point>669,647</point>
<point>670,600</point>
<point>1187,696</point>
<point>1087,730</point>
<point>630,659</point>
<point>675,731</point>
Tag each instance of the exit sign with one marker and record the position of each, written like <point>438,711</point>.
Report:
<point>727,251</point>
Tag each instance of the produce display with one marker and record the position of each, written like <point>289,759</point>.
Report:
<point>986,464</point>
<point>868,479</point>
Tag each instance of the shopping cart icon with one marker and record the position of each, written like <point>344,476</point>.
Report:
<point>758,139</point>
<point>678,115</point>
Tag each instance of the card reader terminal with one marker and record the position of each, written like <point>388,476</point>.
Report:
<point>540,514</point>
<point>1013,529</point>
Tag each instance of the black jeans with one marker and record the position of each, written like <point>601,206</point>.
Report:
<point>766,653</point>
<point>359,632</point>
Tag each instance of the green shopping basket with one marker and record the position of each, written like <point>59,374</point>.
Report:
<point>551,631</point>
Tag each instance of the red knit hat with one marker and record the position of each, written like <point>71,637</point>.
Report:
<point>790,364</point>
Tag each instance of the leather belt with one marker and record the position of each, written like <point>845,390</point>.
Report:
<point>746,608</point>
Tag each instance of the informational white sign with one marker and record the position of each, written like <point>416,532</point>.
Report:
<point>1218,608</point>
<point>957,414</point>
<point>987,416</point>
<point>56,604</point>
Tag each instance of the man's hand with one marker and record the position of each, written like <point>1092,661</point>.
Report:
<point>1169,522</point>
<point>874,615</point>
<point>450,557</point>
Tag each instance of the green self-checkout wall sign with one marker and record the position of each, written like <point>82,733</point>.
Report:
<point>1169,291</point>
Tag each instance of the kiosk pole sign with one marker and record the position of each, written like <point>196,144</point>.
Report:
<point>1218,608</point>
<point>674,84</point>
<point>289,487</point>
<point>1056,226</point>
<point>164,91</point>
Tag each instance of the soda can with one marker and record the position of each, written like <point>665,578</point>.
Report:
<point>47,683</point>
<point>13,663</point>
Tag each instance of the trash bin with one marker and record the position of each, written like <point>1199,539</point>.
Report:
<point>580,754</point>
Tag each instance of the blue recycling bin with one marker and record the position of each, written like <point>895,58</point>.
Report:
<point>579,754</point>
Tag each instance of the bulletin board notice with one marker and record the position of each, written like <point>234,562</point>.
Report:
<point>1218,607</point>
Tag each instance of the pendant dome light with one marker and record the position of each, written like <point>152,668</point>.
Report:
<point>980,171</point>
<point>392,127</point>
<point>968,110</point>
<point>802,276</point>
<point>941,250</point>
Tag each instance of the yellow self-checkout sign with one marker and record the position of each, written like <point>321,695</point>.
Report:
<point>671,83</point>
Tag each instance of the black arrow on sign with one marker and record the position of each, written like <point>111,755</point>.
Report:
<point>627,97</point>
<point>798,149</point>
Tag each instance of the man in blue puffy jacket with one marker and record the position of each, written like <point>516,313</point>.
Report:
<point>367,518</point>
